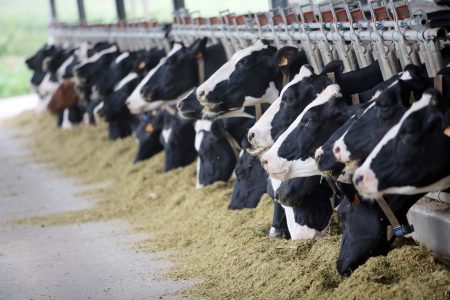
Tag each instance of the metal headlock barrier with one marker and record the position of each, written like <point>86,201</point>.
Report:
<point>386,31</point>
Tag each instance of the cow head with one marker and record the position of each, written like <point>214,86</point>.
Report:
<point>367,231</point>
<point>40,59</point>
<point>413,157</point>
<point>250,183</point>
<point>178,74</point>
<point>174,75</point>
<point>385,111</point>
<point>310,199</point>
<point>294,97</point>
<point>147,134</point>
<point>252,75</point>
<point>292,154</point>
<point>100,61</point>
<point>216,155</point>
<point>177,137</point>
<point>189,107</point>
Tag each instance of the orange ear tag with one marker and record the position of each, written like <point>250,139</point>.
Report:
<point>149,128</point>
<point>284,61</point>
<point>141,65</point>
<point>447,131</point>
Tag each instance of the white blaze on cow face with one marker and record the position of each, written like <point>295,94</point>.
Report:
<point>121,57</point>
<point>365,179</point>
<point>283,169</point>
<point>201,126</point>
<point>125,80</point>
<point>135,102</point>
<point>224,72</point>
<point>166,132</point>
<point>261,138</point>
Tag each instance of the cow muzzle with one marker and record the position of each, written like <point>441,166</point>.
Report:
<point>366,182</point>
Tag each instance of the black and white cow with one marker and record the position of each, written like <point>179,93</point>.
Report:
<point>177,137</point>
<point>250,183</point>
<point>413,157</point>
<point>294,97</point>
<point>252,75</point>
<point>384,112</point>
<point>147,134</point>
<point>367,231</point>
<point>176,75</point>
<point>292,154</point>
<point>218,148</point>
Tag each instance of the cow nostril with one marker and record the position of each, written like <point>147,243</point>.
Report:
<point>337,149</point>
<point>251,136</point>
<point>202,93</point>
<point>359,179</point>
<point>265,163</point>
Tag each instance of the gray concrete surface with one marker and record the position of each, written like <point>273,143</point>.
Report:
<point>79,261</point>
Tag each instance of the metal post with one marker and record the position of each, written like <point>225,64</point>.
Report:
<point>53,13</point>
<point>121,11</point>
<point>81,11</point>
<point>278,3</point>
<point>178,4</point>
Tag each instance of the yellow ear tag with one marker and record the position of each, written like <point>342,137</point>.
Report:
<point>149,128</point>
<point>447,131</point>
<point>141,65</point>
<point>284,61</point>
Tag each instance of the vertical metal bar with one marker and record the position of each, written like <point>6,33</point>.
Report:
<point>278,3</point>
<point>178,4</point>
<point>81,11</point>
<point>53,13</point>
<point>120,6</point>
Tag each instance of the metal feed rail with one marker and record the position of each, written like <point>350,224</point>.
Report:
<point>341,30</point>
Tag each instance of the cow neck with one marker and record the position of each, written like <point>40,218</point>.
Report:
<point>397,229</point>
<point>438,83</point>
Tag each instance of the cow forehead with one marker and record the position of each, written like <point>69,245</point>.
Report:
<point>393,132</point>
<point>224,72</point>
<point>98,55</point>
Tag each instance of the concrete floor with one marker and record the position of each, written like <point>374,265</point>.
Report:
<point>80,261</point>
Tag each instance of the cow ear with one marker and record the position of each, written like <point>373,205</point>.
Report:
<point>285,56</point>
<point>198,47</point>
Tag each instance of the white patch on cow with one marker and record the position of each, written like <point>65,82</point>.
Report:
<point>45,63</point>
<point>406,76</point>
<point>261,130</point>
<point>224,72</point>
<point>198,185</point>
<point>238,113</point>
<point>297,231</point>
<point>283,169</point>
<point>98,55</point>
<point>62,69</point>
<point>340,151</point>
<point>269,96</point>
<point>136,104</point>
<point>166,132</point>
<point>125,80</point>
<point>82,51</point>
<point>201,126</point>
<point>45,90</point>
<point>97,108</point>
<point>319,152</point>
<point>368,186</point>
<point>66,124</point>
<point>121,57</point>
